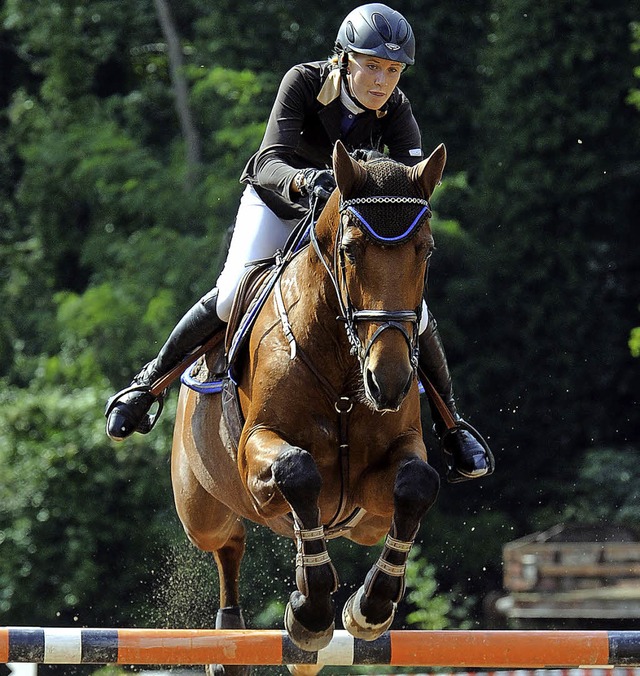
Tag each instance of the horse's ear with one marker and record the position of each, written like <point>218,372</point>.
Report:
<point>428,173</point>
<point>349,174</point>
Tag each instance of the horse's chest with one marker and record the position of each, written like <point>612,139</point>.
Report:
<point>329,435</point>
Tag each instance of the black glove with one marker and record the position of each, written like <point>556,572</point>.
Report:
<point>318,182</point>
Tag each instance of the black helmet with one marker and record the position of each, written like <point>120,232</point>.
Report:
<point>377,30</point>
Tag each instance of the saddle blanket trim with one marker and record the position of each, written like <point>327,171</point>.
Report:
<point>215,386</point>
<point>209,387</point>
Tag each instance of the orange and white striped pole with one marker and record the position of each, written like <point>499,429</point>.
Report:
<point>451,648</point>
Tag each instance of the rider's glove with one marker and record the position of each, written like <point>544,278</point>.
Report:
<point>319,182</point>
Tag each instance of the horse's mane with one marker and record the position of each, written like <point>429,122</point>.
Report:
<point>364,155</point>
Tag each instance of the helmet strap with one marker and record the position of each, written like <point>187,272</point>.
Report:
<point>344,64</point>
<point>344,72</point>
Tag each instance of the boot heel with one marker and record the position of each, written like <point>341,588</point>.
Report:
<point>128,412</point>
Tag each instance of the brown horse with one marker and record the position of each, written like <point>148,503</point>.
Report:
<point>332,440</point>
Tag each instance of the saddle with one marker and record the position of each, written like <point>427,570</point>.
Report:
<point>215,372</point>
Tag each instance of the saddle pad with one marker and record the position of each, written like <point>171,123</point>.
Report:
<point>206,377</point>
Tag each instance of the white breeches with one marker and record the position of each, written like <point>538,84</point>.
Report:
<point>258,233</point>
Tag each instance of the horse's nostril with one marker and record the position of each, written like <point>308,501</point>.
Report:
<point>372,385</point>
<point>387,390</point>
<point>409,383</point>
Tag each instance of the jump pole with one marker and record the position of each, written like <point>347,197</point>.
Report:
<point>511,649</point>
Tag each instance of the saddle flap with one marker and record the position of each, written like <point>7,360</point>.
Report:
<point>232,416</point>
<point>246,296</point>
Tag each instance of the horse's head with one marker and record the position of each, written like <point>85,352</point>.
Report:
<point>382,244</point>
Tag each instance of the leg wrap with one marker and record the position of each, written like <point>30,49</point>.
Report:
<point>306,560</point>
<point>392,562</point>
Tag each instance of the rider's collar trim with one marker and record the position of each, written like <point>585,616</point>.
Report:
<point>330,90</point>
<point>348,101</point>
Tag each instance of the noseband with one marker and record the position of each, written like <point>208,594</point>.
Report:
<point>388,319</point>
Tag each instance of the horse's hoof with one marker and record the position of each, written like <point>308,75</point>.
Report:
<point>356,623</point>
<point>304,669</point>
<point>306,640</point>
<point>220,670</point>
<point>228,618</point>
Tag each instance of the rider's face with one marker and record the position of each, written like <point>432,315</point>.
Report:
<point>372,80</point>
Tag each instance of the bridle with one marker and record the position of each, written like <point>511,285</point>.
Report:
<point>350,316</point>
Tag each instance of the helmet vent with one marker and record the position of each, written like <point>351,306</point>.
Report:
<point>382,26</point>
<point>350,31</point>
<point>403,31</point>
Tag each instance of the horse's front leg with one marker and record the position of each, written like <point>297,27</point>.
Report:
<point>370,610</point>
<point>310,613</point>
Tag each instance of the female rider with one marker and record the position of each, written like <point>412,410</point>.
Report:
<point>353,97</point>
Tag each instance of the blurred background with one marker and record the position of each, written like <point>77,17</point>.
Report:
<point>124,127</point>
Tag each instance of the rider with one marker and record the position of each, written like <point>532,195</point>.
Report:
<point>353,97</point>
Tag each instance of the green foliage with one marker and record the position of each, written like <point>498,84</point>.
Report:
<point>79,513</point>
<point>543,321</point>
<point>634,342</point>
<point>606,488</point>
<point>431,609</point>
<point>235,104</point>
<point>107,236</point>
<point>634,100</point>
<point>118,323</point>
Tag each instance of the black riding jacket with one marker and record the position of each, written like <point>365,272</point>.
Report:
<point>305,123</point>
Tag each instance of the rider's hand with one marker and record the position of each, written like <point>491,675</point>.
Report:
<point>318,182</point>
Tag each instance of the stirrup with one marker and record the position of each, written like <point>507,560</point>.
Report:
<point>454,475</point>
<point>148,421</point>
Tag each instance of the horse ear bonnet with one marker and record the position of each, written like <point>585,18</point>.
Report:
<point>388,183</point>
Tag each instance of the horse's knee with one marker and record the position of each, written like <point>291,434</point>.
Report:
<point>416,488</point>
<point>297,476</point>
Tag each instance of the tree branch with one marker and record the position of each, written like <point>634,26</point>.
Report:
<point>179,82</point>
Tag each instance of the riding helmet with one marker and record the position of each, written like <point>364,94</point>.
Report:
<point>377,30</point>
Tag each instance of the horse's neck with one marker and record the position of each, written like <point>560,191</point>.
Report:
<point>313,305</point>
<point>315,291</point>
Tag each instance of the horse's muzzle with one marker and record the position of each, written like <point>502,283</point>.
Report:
<point>387,386</point>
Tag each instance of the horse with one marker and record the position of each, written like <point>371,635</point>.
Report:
<point>332,442</point>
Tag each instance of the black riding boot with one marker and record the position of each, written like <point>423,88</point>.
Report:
<point>465,456</point>
<point>127,410</point>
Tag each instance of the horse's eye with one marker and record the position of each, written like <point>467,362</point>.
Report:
<point>349,250</point>
<point>426,251</point>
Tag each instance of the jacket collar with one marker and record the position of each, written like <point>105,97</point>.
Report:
<point>332,89</point>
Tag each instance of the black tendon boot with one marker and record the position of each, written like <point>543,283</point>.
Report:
<point>466,454</point>
<point>127,410</point>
